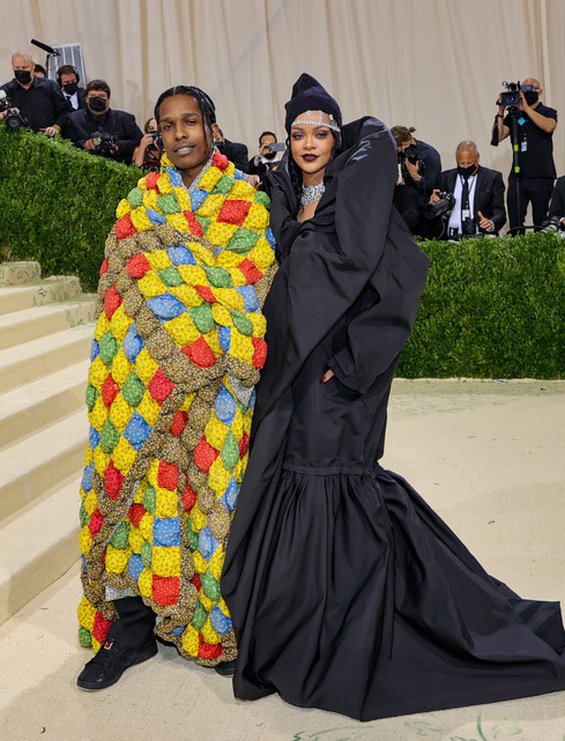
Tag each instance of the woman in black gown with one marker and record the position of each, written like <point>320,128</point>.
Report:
<point>348,593</point>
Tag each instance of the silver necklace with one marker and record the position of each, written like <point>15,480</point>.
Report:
<point>311,193</point>
<point>208,164</point>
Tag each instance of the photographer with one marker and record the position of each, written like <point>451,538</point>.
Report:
<point>478,192</point>
<point>147,154</point>
<point>420,161</point>
<point>530,125</point>
<point>100,129</point>
<point>268,155</point>
<point>234,151</point>
<point>38,102</point>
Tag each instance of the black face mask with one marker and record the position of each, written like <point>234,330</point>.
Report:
<point>23,76</point>
<point>466,172</point>
<point>531,97</point>
<point>98,105</point>
<point>270,155</point>
<point>70,88</point>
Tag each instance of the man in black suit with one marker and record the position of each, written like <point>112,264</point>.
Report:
<point>117,132</point>
<point>479,194</point>
<point>68,79</point>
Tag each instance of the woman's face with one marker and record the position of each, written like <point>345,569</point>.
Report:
<point>185,138</point>
<point>311,145</point>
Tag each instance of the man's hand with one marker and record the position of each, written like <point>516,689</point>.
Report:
<point>88,144</point>
<point>484,223</point>
<point>50,130</point>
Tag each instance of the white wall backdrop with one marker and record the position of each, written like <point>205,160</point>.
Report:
<point>434,64</point>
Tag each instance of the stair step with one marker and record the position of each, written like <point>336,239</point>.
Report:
<point>19,327</point>
<point>25,410</point>
<point>19,273</point>
<point>31,360</point>
<point>38,546</point>
<point>52,290</point>
<point>34,465</point>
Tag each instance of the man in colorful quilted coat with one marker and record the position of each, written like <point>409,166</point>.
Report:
<point>177,350</point>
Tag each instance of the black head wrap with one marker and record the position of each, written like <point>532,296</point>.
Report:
<point>309,95</point>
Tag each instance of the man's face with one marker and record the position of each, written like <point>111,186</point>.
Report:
<point>403,146</point>
<point>68,78</point>
<point>20,65</point>
<point>92,101</point>
<point>266,141</point>
<point>467,157</point>
<point>184,135</point>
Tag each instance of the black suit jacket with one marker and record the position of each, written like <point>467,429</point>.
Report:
<point>489,194</point>
<point>81,124</point>
<point>557,205</point>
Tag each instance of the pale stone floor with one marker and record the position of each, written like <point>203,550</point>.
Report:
<point>488,456</point>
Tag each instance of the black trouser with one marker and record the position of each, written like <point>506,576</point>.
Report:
<point>136,624</point>
<point>535,190</point>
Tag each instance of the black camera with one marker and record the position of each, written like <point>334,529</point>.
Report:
<point>441,207</point>
<point>104,143</point>
<point>13,119</point>
<point>510,97</point>
<point>411,154</point>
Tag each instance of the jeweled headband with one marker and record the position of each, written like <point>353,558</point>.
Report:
<point>333,125</point>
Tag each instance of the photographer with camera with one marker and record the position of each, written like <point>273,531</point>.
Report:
<point>103,130</point>
<point>419,161</point>
<point>147,154</point>
<point>268,155</point>
<point>32,101</point>
<point>530,125</point>
<point>474,196</point>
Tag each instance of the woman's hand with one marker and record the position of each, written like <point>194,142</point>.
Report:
<point>327,375</point>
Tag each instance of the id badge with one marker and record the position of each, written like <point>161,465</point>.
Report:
<point>465,214</point>
<point>524,146</point>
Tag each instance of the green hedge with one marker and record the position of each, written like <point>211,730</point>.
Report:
<point>493,308</point>
<point>58,203</point>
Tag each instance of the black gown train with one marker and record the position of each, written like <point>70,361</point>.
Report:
<point>348,593</point>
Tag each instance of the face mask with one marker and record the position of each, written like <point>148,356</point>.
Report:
<point>466,172</point>
<point>23,76</point>
<point>98,105</point>
<point>531,97</point>
<point>70,88</point>
<point>270,155</point>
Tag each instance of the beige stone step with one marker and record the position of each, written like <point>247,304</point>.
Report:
<point>19,273</point>
<point>38,546</point>
<point>49,291</point>
<point>28,362</point>
<point>26,409</point>
<point>35,465</point>
<point>30,324</point>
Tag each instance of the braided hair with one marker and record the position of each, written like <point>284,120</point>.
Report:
<point>205,102</point>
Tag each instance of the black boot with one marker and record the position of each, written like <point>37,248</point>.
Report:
<point>130,641</point>
<point>225,668</point>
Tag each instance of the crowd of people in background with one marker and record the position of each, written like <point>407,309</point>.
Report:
<point>462,201</point>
